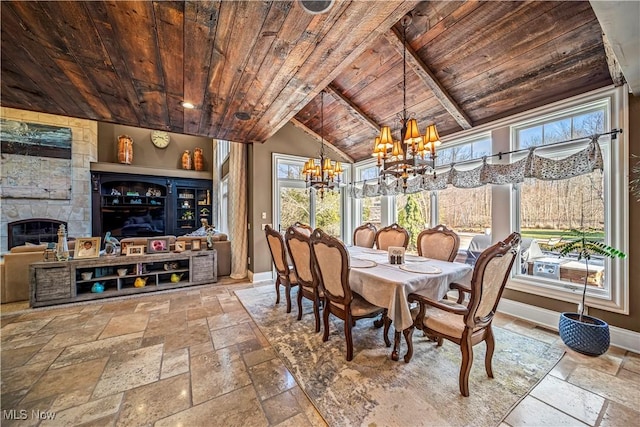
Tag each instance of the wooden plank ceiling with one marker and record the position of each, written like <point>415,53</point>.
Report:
<point>134,62</point>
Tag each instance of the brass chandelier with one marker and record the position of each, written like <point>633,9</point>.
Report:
<point>416,153</point>
<point>323,175</point>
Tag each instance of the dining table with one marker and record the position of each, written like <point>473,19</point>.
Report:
<point>388,285</point>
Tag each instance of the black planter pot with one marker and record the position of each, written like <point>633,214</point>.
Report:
<point>590,337</point>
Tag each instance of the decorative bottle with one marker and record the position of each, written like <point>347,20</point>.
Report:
<point>125,149</point>
<point>62,248</point>
<point>198,159</point>
<point>186,160</point>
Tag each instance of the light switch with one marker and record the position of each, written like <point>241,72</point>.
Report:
<point>264,215</point>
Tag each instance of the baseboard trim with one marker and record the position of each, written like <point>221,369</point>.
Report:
<point>259,277</point>
<point>622,338</point>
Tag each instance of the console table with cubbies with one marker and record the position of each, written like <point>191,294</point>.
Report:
<point>62,282</point>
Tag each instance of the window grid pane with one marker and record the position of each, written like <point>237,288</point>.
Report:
<point>549,209</point>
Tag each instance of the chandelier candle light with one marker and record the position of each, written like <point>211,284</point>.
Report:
<point>408,156</point>
<point>323,175</point>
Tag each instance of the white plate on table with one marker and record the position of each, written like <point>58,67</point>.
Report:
<point>420,268</point>
<point>415,258</point>
<point>362,263</point>
<point>369,250</point>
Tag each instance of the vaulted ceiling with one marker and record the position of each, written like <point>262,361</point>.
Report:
<point>252,66</point>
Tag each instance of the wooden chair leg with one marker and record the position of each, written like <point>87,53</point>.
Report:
<point>299,303</point>
<point>408,336</point>
<point>288,294</point>
<point>316,313</point>
<point>378,323</point>
<point>491,344</point>
<point>348,324</point>
<point>278,290</point>
<point>467,359</point>
<point>385,332</point>
<point>325,317</point>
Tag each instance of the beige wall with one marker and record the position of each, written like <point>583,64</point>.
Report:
<point>145,153</point>
<point>75,211</point>
<point>632,321</point>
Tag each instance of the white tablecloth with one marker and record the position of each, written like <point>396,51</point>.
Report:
<point>386,285</point>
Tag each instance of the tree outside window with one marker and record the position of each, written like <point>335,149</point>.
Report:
<point>549,209</point>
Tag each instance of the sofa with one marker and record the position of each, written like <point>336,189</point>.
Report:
<point>15,274</point>
<point>220,243</point>
<point>15,270</point>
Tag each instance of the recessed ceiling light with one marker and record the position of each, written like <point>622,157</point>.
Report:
<point>242,115</point>
<point>315,7</point>
<point>188,105</point>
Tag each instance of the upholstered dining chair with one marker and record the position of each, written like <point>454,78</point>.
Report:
<point>393,235</point>
<point>470,324</point>
<point>332,262</point>
<point>303,228</point>
<point>286,275</point>
<point>438,242</point>
<point>299,248</point>
<point>365,235</point>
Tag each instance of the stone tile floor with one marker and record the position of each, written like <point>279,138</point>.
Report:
<point>194,357</point>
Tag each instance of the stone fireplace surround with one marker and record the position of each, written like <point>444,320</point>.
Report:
<point>76,212</point>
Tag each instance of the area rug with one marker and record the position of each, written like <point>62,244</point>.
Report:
<point>373,390</point>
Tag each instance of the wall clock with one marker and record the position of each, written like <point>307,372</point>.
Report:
<point>160,138</point>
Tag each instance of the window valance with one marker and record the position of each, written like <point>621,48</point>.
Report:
<point>531,165</point>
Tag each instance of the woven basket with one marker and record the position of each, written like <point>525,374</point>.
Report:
<point>590,337</point>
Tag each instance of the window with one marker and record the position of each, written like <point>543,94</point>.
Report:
<point>548,209</point>
<point>368,209</point>
<point>223,150</point>
<point>464,151</point>
<point>540,210</point>
<point>467,211</point>
<point>296,202</point>
<point>224,206</point>
<point>544,211</point>
<point>221,223</point>
<point>413,212</point>
<point>328,213</point>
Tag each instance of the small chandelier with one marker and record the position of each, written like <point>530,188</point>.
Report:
<point>323,175</point>
<point>416,153</point>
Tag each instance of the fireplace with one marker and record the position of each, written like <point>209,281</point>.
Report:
<point>36,231</point>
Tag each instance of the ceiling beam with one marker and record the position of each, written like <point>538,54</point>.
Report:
<point>344,157</point>
<point>614,66</point>
<point>288,104</point>
<point>353,108</point>
<point>619,21</point>
<point>421,69</point>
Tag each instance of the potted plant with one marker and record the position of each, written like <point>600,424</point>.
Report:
<point>585,334</point>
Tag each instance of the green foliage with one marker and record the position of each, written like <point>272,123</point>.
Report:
<point>586,242</point>
<point>294,206</point>
<point>328,213</point>
<point>412,220</point>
